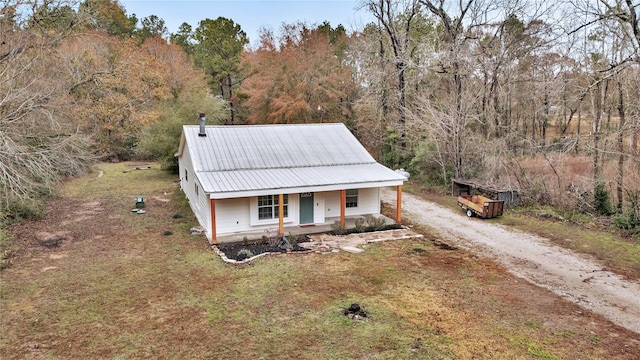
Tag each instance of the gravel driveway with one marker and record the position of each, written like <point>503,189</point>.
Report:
<point>575,277</point>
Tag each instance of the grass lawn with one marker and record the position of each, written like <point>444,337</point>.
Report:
<point>118,287</point>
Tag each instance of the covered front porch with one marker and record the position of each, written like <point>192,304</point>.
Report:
<point>323,224</point>
<point>350,222</point>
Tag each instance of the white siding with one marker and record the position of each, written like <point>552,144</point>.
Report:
<point>331,204</point>
<point>232,215</point>
<point>318,208</point>
<point>239,215</point>
<point>199,202</point>
<point>201,206</point>
<point>368,203</point>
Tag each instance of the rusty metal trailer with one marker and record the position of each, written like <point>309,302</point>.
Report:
<point>480,206</point>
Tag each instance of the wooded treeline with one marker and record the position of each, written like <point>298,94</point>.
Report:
<point>537,96</point>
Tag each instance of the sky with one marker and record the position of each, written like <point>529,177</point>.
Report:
<point>251,15</point>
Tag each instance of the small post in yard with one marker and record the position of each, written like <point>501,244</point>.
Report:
<point>214,239</point>
<point>399,204</point>
<point>343,202</point>
<point>280,215</point>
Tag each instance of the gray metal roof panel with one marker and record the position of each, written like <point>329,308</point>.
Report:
<point>283,178</point>
<point>262,157</point>
<point>273,146</point>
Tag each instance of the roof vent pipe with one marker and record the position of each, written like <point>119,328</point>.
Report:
<point>202,122</point>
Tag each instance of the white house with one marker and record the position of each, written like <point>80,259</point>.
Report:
<point>247,179</point>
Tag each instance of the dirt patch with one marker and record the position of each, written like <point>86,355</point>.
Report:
<point>578,278</point>
<point>52,240</point>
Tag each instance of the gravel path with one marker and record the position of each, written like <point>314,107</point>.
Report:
<point>575,277</point>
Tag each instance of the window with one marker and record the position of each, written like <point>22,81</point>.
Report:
<point>352,198</point>
<point>268,206</point>
<point>186,175</point>
<point>197,190</point>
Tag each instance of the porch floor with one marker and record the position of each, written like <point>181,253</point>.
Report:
<point>350,222</point>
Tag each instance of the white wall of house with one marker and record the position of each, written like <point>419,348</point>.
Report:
<point>318,208</point>
<point>331,204</point>
<point>232,215</point>
<point>198,199</point>
<point>368,203</point>
<point>241,214</point>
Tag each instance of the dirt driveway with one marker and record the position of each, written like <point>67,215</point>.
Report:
<point>575,277</point>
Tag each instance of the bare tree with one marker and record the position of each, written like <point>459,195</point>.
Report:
<point>612,26</point>
<point>396,20</point>
<point>458,21</point>
<point>38,143</point>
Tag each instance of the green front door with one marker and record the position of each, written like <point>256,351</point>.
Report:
<point>306,208</point>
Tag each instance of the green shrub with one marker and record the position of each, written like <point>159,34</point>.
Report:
<point>338,229</point>
<point>23,210</point>
<point>293,239</point>
<point>601,199</point>
<point>629,219</point>
<point>395,152</point>
<point>376,224</point>
<point>161,139</point>
<point>244,254</point>
<point>359,226</point>
<point>426,167</point>
<point>5,247</point>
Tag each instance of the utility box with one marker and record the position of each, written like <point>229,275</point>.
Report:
<point>139,202</point>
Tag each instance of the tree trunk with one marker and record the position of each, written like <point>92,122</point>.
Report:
<point>534,120</point>
<point>403,109</point>
<point>621,112</point>
<point>545,120</point>
<point>458,116</point>
<point>231,109</point>
<point>485,105</point>
<point>579,125</point>
<point>596,132</point>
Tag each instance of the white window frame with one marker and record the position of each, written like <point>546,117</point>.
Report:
<point>273,206</point>
<point>351,200</point>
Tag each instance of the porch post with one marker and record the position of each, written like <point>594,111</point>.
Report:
<point>343,202</point>
<point>214,238</point>
<point>399,204</point>
<point>280,215</point>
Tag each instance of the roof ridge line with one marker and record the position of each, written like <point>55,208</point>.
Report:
<point>291,167</point>
<point>261,125</point>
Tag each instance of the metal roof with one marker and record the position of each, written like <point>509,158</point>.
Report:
<point>261,159</point>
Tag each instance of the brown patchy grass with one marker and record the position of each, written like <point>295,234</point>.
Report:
<point>118,288</point>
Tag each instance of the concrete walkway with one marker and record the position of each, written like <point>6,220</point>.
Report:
<point>325,243</point>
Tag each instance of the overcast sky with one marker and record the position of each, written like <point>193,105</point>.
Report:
<point>252,14</point>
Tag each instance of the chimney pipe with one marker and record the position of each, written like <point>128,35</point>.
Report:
<point>202,129</point>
